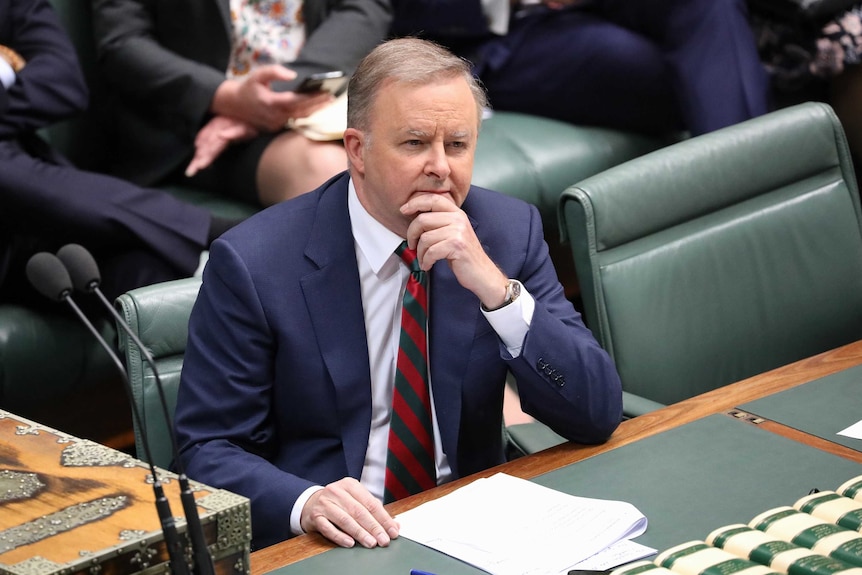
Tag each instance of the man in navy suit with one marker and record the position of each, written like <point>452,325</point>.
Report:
<point>643,65</point>
<point>140,236</point>
<point>287,380</point>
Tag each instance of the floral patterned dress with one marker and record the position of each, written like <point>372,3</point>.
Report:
<point>802,53</point>
<point>265,32</point>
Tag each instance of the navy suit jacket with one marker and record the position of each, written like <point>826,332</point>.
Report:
<point>276,394</point>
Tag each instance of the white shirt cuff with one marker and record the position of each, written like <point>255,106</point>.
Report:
<point>296,512</point>
<point>512,322</point>
<point>7,74</point>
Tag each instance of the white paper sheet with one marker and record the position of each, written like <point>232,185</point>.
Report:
<point>509,526</point>
<point>854,431</point>
<point>624,551</point>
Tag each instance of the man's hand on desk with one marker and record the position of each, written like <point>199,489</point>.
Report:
<point>345,512</point>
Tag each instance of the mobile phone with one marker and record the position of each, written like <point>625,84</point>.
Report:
<point>331,82</point>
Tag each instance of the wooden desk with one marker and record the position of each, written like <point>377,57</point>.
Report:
<point>723,400</point>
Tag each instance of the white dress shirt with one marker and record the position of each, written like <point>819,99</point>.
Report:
<point>383,279</point>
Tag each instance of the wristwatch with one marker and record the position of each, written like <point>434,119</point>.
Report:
<point>513,290</point>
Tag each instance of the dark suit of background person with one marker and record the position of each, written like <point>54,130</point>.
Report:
<point>644,65</point>
<point>164,59</point>
<point>280,306</point>
<point>139,235</point>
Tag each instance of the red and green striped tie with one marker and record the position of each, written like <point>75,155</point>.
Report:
<point>410,460</point>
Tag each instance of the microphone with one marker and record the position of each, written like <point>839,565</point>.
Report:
<point>84,273</point>
<point>50,278</point>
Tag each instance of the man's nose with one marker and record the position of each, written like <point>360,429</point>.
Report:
<point>437,164</point>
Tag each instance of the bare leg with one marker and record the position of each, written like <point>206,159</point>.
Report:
<point>292,165</point>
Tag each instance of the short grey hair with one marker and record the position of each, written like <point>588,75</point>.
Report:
<point>406,61</point>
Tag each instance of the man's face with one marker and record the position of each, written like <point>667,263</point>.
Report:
<point>422,140</point>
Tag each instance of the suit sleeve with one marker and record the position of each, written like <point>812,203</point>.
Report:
<point>141,69</point>
<point>51,86</point>
<point>365,22</point>
<point>225,429</point>
<point>565,379</point>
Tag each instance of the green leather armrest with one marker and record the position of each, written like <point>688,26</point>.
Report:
<point>634,405</point>
<point>526,438</point>
<point>159,315</point>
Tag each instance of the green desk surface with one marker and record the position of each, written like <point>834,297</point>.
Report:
<point>703,475</point>
<point>822,407</point>
<point>687,481</point>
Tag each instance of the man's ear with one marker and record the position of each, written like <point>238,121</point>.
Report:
<point>354,145</point>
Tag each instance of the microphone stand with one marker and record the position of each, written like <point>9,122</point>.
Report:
<point>169,528</point>
<point>203,559</point>
<point>84,272</point>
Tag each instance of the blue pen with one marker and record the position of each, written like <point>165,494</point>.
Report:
<point>420,572</point>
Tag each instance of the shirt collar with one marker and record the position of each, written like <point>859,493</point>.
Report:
<point>374,240</point>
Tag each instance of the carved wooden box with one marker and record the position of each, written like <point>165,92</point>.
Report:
<point>71,506</point>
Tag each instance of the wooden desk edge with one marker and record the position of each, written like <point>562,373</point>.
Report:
<point>716,401</point>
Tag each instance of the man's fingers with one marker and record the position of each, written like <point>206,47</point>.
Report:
<point>344,512</point>
<point>271,73</point>
<point>429,202</point>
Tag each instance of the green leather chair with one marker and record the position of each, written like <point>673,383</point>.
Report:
<point>159,315</point>
<point>722,256</point>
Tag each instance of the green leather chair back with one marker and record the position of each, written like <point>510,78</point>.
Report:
<point>159,315</point>
<point>722,256</point>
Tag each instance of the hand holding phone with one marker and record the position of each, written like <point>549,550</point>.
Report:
<point>331,82</point>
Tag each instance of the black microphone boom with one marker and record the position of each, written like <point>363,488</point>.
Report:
<point>84,272</point>
<point>50,278</point>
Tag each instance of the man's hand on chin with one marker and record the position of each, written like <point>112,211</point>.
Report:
<point>440,230</point>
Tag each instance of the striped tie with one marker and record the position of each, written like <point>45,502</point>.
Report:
<point>410,460</point>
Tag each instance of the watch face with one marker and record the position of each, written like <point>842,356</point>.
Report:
<point>514,290</point>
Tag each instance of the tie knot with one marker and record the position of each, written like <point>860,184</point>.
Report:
<point>409,257</point>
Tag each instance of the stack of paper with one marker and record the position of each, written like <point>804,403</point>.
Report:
<point>509,526</point>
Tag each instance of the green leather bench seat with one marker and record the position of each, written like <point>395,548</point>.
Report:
<point>535,158</point>
<point>723,256</point>
<point>43,357</point>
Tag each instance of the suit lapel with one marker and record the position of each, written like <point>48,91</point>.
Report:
<point>335,305</point>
